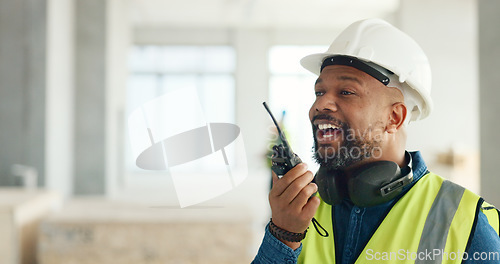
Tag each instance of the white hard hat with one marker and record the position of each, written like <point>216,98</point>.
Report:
<point>374,42</point>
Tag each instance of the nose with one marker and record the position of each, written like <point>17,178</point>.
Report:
<point>324,103</point>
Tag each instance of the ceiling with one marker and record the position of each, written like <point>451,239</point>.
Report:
<point>257,13</point>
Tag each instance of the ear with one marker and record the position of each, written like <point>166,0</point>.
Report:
<point>396,118</point>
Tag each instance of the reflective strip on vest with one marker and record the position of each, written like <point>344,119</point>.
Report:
<point>493,216</point>
<point>431,223</point>
<point>439,219</point>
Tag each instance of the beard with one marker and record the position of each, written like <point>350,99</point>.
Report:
<point>352,150</point>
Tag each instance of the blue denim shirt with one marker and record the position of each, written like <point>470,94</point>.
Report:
<point>354,226</point>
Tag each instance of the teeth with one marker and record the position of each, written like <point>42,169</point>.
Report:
<point>326,126</point>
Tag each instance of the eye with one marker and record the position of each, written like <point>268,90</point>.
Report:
<point>318,93</point>
<point>344,92</point>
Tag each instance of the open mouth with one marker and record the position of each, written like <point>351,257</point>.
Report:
<point>327,132</point>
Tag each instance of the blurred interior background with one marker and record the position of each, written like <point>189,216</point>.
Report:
<point>72,71</point>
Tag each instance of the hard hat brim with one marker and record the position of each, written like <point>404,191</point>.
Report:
<point>313,62</point>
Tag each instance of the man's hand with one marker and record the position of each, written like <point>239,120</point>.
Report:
<point>291,203</point>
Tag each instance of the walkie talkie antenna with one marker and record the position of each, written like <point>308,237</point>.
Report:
<point>282,136</point>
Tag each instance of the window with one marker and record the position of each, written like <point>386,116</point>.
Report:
<point>157,70</point>
<point>291,91</point>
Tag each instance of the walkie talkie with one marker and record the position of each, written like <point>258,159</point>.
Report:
<point>283,158</point>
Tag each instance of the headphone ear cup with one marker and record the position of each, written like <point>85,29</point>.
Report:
<point>331,185</point>
<point>364,186</point>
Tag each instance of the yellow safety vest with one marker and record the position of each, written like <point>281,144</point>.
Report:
<point>434,215</point>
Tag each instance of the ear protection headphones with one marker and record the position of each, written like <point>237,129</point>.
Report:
<point>372,184</point>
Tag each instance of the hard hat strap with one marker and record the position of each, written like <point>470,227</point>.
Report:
<point>358,64</point>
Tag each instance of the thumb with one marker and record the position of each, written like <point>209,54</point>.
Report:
<point>274,176</point>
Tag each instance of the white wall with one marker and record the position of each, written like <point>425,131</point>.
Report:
<point>23,79</point>
<point>59,107</point>
<point>117,49</point>
<point>101,42</point>
<point>489,56</point>
<point>447,31</point>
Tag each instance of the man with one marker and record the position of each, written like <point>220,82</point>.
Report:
<point>377,202</point>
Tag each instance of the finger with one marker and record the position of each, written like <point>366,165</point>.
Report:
<point>303,196</point>
<point>296,186</point>
<point>310,207</point>
<point>280,185</point>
